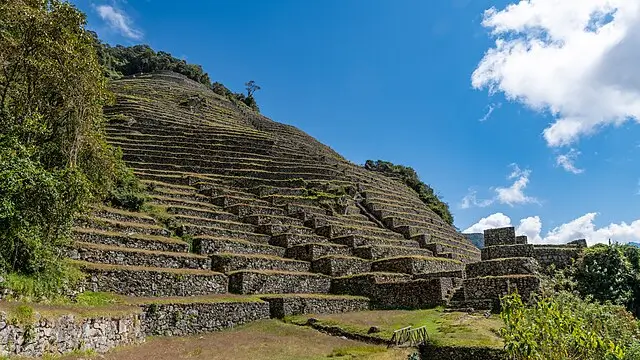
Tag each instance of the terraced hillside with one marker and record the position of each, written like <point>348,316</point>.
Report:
<point>249,206</point>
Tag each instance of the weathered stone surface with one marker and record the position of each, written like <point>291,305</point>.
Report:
<point>522,239</point>
<point>232,262</point>
<point>500,236</point>
<point>560,256</point>
<point>286,305</point>
<point>416,265</point>
<point>499,267</point>
<point>134,257</point>
<point>310,252</point>
<point>180,319</point>
<point>494,287</point>
<point>277,282</point>
<point>385,251</point>
<point>507,251</point>
<point>209,245</point>
<point>57,335</point>
<point>153,281</point>
<point>338,265</point>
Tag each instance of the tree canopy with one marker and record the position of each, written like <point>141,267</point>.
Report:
<point>53,155</point>
<point>409,176</point>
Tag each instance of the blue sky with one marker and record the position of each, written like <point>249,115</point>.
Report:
<point>540,133</point>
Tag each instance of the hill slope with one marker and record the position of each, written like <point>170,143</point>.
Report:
<point>266,208</point>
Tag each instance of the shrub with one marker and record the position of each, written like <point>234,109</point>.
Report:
<point>563,327</point>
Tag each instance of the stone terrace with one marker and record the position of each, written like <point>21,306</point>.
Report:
<point>243,205</point>
<point>508,264</point>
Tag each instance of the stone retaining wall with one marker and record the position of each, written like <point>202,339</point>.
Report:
<point>281,306</point>
<point>416,265</point>
<point>154,283</point>
<point>506,266</point>
<point>192,318</point>
<point>561,257</point>
<point>57,335</point>
<point>500,236</point>
<point>494,287</point>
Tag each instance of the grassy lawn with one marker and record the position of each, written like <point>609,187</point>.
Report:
<point>264,340</point>
<point>459,329</point>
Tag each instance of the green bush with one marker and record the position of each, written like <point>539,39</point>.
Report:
<point>610,273</point>
<point>562,326</point>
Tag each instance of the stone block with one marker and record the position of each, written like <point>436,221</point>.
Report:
<point>277,282</point>
<point>336,265</point>
<point>494,287</point>
<point>287,305</point>
<point>500,236</point>
<point>506,266</point>
<point>416,265</point>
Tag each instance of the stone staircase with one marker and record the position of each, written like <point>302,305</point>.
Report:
<point>246,210</point>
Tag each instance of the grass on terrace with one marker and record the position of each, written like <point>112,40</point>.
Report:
<point>459,329</point>
<point>265,340</point>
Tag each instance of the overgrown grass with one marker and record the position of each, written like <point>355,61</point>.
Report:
<point>458,329</point>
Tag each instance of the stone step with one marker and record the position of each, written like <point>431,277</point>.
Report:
<point>363,284</point>
<point>333,231</point>
<point>439,248</point>
<point>137,241</point>
<point>211,245</point>
<point>416,264</point>
<point>110,213</point>
<point>229,262</point>
<point>317,221</point>
<point>173,202</point>
<point>289,240</point>
<point>375,252</point>
<point>311,252</point>
<point>202,213</point>
<point>226,200</point>
<point>272,190</point>
<point>500,267</point>
<point>340,265</point>
<point>151,281</point>
<point>425,239</point>
<point>196,230</point>
<point>277,229</point>
<point>360,240</point>
<point>117,255</point>
<point>283,305</point>
<point>243,210</point>
<point>179,194</point>
<point>128,228</point>
<point>224,224</point>
<point>272,219</point>
<point>277,282</point>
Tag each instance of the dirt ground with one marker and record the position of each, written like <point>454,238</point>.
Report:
<point>263,340</point>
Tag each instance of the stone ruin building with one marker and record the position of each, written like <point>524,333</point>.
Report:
<point>254,219</point>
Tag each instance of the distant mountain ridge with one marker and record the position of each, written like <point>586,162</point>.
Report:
<point>476,238</point>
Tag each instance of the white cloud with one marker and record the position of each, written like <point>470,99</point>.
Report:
<point>490,110</point>
<point>119,21</point>
<point>580,228</point>
<point>576,59</point>
<point>514,194</point>
<point>567,161</point>
<point>511,195</point>
<point>471,200</point>
<point>496,220</point>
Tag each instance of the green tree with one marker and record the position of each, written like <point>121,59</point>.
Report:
<point>409,176</point>
<point>562,326</point>
<point>610,273</point>
<point>53,153</point>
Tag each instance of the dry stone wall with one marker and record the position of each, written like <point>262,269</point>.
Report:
<point>179,319</point>
<point>286,305</point>
<point>59,335</point>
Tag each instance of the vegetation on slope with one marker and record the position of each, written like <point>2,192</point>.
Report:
<point>53,155</point>
<point>119,61</point>
<point>585,311</point>
<point>409,176</point>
